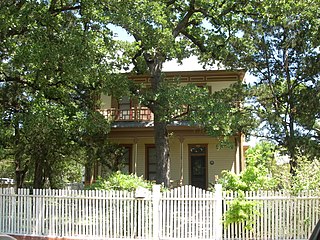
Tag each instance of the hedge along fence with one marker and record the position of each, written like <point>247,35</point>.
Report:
<point>181,213</point>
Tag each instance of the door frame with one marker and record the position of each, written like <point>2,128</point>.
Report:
<point>205,164</point>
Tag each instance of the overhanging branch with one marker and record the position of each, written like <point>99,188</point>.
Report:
<point>195,41</point>
<point>184,22</point>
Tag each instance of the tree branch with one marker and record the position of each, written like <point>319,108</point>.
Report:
<point>195,41</point>
<point>183,23</point>
<point>170,2</point>
<point>183,113</point>
<point>56,11</point>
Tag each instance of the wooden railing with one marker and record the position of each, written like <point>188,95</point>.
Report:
<point>133,114</point>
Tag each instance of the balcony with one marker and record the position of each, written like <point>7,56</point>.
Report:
<point>139,114</point>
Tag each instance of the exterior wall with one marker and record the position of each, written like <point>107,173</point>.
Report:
<point>217,86</point>
<point>218,159</point>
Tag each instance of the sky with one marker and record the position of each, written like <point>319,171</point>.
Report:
<point>188,64</point>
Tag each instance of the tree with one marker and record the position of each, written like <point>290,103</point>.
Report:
<point>53,66</point>
<point>52,157</point>
<point>164,30</point>
<point>263,154</point>
<point>279,43</point>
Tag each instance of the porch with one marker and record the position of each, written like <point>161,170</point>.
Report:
<point>131,114</point>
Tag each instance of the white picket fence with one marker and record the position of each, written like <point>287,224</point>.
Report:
<point>185,213</point>
<point>182,213</point>
<point>279,215</point>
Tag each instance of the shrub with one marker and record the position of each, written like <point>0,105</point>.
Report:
<point>251,179</point>
<point>240,211</point>
<point>120,181</point>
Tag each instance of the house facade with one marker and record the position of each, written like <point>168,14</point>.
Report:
<point>196,158</point>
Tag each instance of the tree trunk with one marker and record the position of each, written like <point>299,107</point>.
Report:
<point>88,175</point>
<point>18,152</point>
<point>89,165</point>
<point>19,177</point>
<point>161,137</point>
<point>39,178</point>
<point>292,144</point>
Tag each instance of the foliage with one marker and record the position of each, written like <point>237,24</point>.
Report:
<point>120,181</point>
<point>279,45</point>
<point>258,175</point>
<point>47,136</point>
<point>306,178</point>
<point>252,178</point>
<point>55,61</point>
<point>240,210</point>
<point>264,171</point>
<point>259,171</point>
<point>307,175</point>
<point>221,113</point>
<point>112,158</point>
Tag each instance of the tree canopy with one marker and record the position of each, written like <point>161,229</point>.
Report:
<point>278,42</point>
<point>54,65</point>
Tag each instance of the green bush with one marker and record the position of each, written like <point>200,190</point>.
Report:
<point>307,175</point>
<point>240,211</point>
<point>251,179</point>
<point>120,181</point>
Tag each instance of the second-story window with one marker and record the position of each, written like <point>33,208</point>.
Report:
<point>125,108</point>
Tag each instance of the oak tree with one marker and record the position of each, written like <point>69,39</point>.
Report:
<point>53,65</point>
<point>165,30</point>
<point>278,42</point>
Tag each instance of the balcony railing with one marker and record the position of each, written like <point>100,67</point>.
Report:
<point>133,114</point>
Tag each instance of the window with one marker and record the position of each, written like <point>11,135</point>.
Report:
<point>125,108</point>
<point>151,163</point>
<point>126,159</point>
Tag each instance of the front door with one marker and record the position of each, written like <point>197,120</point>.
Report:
<point>198,165</point>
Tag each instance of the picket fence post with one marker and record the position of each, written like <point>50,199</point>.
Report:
<point>156,209</point>
<point>218,211</point>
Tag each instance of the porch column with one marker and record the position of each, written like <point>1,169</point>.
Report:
<point>239,163</point>
<point>135,155</point>
<point>181,140</point>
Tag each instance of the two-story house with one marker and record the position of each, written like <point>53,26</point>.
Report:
<point>196,158</point>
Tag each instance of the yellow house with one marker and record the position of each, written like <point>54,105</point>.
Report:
<point>196,158</point>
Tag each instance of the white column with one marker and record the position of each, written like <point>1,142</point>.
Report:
<point>181,139</point>
<point>135,158</point>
